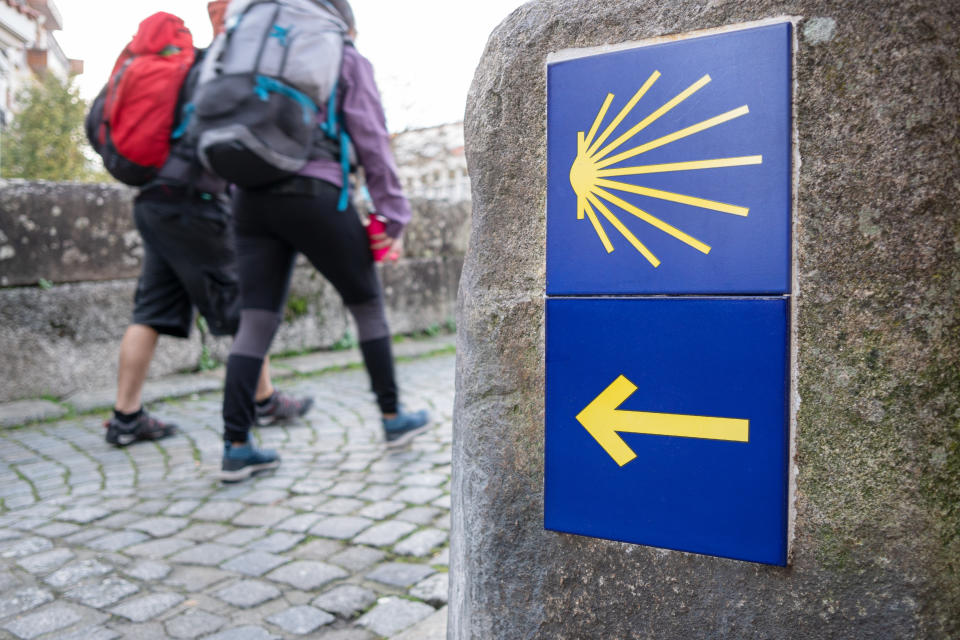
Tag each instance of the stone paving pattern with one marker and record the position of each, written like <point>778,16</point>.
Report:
<point>345,541</point>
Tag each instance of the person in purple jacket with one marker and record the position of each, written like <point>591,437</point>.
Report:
<point>301,214</point>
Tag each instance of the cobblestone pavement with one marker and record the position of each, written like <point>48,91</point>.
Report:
<point>345,541</point>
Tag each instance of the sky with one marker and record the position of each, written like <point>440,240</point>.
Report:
<point>424,52</point>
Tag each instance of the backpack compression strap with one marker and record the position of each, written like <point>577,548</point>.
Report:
<point>333,128</point>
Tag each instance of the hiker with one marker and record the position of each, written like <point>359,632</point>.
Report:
<point>189,260</point>
<point>310,213</point>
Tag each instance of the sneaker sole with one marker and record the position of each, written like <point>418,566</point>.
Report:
<point>407,437</point>
<point>126,439</point>
<point>246,472</point>
<point>121,439</point>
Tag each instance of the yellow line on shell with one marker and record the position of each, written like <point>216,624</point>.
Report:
<point>599,229</point>
<point>632,239</point>
<point>692,165</point>
<point>623,112</point>
<point>643,124</point>
<point>676,197</point>
<point>676,135</point>
<point>600,116</point>
<point>656,222</point>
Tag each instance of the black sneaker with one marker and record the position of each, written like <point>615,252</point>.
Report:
<point>242,461</point>
<point>144,427</point>
<point>404,427</point>
<point>281,407</point>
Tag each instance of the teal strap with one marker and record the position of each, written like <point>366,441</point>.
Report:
<point>330,126</point>
<point>345,167</point>
<point>188,110</point>
<point>265,86</point>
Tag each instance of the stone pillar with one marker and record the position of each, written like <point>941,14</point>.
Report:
<point>876,463</point>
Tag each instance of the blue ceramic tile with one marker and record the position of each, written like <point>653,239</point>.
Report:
<point>691,451</point>
<point>690,191</point>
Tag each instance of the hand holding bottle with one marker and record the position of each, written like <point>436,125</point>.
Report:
<point>381,245</point>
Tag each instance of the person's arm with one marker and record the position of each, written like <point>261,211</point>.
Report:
<point>364,120</point>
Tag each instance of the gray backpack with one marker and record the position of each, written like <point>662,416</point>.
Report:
<point>255,109</point>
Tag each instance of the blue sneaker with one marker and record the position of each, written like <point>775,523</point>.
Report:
<point>404,427</point>
<point>242,461</point>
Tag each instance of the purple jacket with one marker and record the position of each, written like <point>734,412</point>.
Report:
<point>359,102</point>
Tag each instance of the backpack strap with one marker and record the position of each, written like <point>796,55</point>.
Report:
<point>263,43</point>
<point>185,107</point>
<point>345,168</point>
<point>334,130</point>
<point>183,168</point>
<point>186,114</point>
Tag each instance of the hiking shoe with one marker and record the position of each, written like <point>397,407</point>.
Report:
<point>405,427</point>
<point>242,461</point>
<point>281,406</point>
<point>144,427</point>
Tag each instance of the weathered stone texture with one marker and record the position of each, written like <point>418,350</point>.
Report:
<point>78,232</point>
<point>66,232</point>
<point>877,238</point>
<point>438,228</point>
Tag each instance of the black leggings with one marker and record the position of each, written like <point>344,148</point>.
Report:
<point>272,226</point>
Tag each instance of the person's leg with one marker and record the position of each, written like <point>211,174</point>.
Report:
<point>265,265</point>
<point>130,422</point>
<point>264,384</point>
<point>375,344</point>
<point>273,405</point>
<point>373,334</point>
<point>336,243</point>
<point>207,266</point>
<point>136,351</point>
<point>161,305</point>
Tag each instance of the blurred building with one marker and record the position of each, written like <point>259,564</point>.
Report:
<point>431,163</point>
<point>29,48</point>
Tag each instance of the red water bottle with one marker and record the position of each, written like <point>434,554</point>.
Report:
<point>376,226</point>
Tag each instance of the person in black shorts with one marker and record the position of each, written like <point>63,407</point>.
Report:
<point>305,214</point>
<point>189,261</point>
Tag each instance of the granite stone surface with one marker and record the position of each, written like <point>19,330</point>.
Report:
<point>876,452</point>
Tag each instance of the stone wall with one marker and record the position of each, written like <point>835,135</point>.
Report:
<point>876,537</point>
<point>61,336</point>
<point>66,232</point>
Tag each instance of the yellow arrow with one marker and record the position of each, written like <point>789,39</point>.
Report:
<point>603,420</point>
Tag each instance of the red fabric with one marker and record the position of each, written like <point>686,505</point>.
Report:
<point>144,86</point>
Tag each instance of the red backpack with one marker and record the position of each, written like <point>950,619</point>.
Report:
<point>131,121</point>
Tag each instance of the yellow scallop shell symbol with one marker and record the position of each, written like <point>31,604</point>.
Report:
<point>594,166</point>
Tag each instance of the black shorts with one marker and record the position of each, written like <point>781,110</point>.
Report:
<point>189,260</point>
